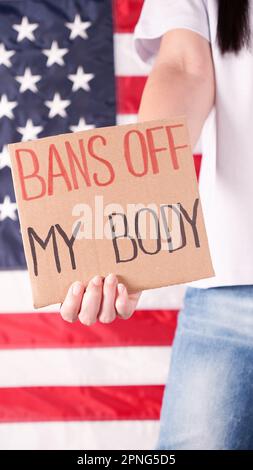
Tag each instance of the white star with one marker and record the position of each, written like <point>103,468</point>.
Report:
<point>78,28</point>
<point>28,81</point>
<point>6,107</point>
<point>57,106</point>
<point>8,209</point>
<point>55,54</point>
<point>25,29</point>
<point>81,79</point>
<point>4,158</point>
<point>81,126</point>
<point>5,56</point>
<point>29,131</point>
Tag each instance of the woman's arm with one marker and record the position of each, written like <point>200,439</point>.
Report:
<point>181,82</point>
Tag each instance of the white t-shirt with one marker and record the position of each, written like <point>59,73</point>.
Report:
<point>226,177</point>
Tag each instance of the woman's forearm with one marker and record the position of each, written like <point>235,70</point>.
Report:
<point>170,92</point>
<point>181,81</point>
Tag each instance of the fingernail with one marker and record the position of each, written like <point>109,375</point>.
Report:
<point>111,278</point>
<point>97,280</point>
<point>77,288</point>
<point>121,288</point>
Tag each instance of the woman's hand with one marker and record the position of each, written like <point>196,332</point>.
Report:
<point>102,300</point>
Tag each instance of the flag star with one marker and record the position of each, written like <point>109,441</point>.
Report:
<point>8,209</point>
<point>25,29</point>
<point>78,28</point>
<point>5,56</point>
<point>28,81</point>
<point>29,131</point>
<point>81,79</point>
<point>57,106</point>
<point>4,158</point>
<point>81,126</point>
<point>6,107</point>
<point>55,54</point>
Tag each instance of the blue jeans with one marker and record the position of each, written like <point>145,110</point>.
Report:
<point>208,398</point>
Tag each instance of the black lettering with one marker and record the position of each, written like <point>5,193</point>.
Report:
<point>69,241</point>
<point>158,233</point>
<point>125,235</point>
<point>175,209</point>
<point>33,236</point>
<point>192,221</point>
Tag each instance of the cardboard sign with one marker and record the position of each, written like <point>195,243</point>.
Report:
<point>120,199</point>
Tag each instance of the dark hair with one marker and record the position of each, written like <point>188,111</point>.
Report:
<point>233,30</point>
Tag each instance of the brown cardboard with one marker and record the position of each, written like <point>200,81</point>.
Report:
<point>145,163</point>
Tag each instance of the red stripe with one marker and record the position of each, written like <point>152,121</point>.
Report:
<point>129,91</point>
<point>126,14</point>
<point>48,330</point>
<point>197,162</point>
<point>80,403</point>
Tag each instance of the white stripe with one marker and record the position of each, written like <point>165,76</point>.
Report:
<point>88,435</point>
<point>198,148</point>
<point>16,295</point>
<point>84,366</point>
<point>126,118</point>
<point>126,60</point>
<point>170,298</point>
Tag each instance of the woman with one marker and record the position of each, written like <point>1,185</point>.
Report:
<point>202,67</point>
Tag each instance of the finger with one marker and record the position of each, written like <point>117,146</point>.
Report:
<point>70,307</point>
<point>107,312</point>
<point>91,301</point>
<point>122,304</point>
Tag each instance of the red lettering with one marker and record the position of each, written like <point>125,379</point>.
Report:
<point>34,175</point>
<point>144,152</point>
<point>55,156</point>
<point>173,148</point>
<point>108,165</point>
<point>153,149</point>
<point>74,162</point>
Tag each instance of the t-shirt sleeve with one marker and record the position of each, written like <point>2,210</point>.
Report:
<point>159,16</point>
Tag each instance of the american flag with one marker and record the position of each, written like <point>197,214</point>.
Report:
<point>66,66</point>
